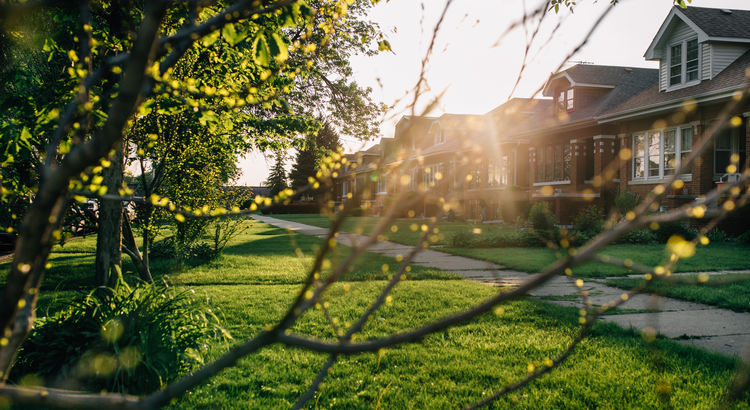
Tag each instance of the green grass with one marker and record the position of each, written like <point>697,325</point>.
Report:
<point>712,257</point>
<point>408,230</point>
<point>259,275</point>
<point>734,296</point>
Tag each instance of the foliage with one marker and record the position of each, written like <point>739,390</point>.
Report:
<point>324,143</point>
<point>744,238</point>
<point>626,202</point>
<point>589,219</point>
<point>463,238</point>
<point>717,236</point>
<point>541,218</point>
<point>277,180</point>
<point>639,236</point>
<point>122,339</point>
<point>513,204</point>
<point>668,229</point>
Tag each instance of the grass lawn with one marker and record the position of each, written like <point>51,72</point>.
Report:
<point>715,256</point>
<point>259,274</point>
<point>712,257</point>
<point>735,296</point>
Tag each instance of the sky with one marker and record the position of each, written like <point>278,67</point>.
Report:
<point>473,68</point>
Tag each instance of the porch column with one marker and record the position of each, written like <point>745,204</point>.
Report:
<point>577,164</point>
<point>604,153</point>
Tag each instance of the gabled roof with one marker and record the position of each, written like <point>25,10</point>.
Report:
<point>469,122</point>
<point>710,24</point>
<point>729,80</point>
<point>595,76</point>
<point>626,82</point>
<point>409,123</point>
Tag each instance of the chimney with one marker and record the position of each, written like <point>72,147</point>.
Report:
<point>726,12</point>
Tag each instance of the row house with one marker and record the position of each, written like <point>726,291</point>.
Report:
<point>602,130</point>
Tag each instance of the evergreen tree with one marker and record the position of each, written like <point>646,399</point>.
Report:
<point>326,142</point>
<point>277,180</point>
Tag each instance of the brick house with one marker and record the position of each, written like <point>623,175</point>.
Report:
<point>567,149</point>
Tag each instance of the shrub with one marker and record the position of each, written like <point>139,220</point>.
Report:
<point>120,340</point>
<point>590,219</point>
<point>744,238</point>
<point>668,229</point>
<point>626,202</point>
<point>582,237</point>
<point>638,236</point>
<point>717,236</point>
<point>513,204</point>
<point>163,249</point>
<point>541,218</point>
<point>463,238</point>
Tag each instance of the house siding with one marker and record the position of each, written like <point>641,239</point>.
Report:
<point>680,32</point>
<point>725,54</point>
<point>706,61</point>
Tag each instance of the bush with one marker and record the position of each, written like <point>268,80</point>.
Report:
<point>463,238</point>
<point>590,219</point>
<point>541,218</point>
<point>668,229</point>
<point>638,237</point>
<point>626,202</point>
<point>120,340</point>
<point>717,236</point>
<point>163,249</point>
<point>513,204</point>
<point>744,238</point>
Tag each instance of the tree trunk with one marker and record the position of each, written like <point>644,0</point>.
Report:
<point>109,239</point>
<point>131,248</point>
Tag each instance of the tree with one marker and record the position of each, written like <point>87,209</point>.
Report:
<point>325,143</point>
<point>277,180</point>
<point>76,155</point>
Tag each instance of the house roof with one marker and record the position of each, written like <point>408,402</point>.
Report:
<point>625,81</point>
<point>718,23</point>
<point>469,122</point>
<point>730,79</point>
<point>710,24</point>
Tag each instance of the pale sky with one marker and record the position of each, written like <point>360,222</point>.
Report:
<point>475,73</point>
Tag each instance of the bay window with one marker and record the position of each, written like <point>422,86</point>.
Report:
<point>655,153</point>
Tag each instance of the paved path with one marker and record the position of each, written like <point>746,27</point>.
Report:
<point>718,330</point>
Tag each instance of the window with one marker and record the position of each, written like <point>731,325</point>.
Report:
<point>382,183</point>
<point>345,189</point>
<point>497,172</point>
<point>476,176</point>
<point>730,149</point>
<point>655,153</point>
<point>565,101</point>
<point>553,163</point>
<point>684,62</point>
<point>439,136</point>
<point>430,175</point>
<point>413,179</point>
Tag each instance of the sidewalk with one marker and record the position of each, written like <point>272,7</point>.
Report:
<point>717,330</point>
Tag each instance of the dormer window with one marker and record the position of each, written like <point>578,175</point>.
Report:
<point>683,62</point>
<point>439,137</point>
<point>565,101</point>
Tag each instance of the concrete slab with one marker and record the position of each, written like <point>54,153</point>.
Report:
<point>729,345</point>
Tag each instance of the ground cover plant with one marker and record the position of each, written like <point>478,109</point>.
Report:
<point>734,295</point>
<point>446,370</point>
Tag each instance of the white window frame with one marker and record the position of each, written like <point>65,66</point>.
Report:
<point>429,175</point>
<point>383,183</point>
<point>566,100</point>
<point>683,64</point>
<point>344,189</point>
<point>678,152</point>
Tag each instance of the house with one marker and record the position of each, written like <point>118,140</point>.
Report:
<point>603,130</point>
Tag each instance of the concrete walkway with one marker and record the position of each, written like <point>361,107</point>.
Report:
<point>717,330</point>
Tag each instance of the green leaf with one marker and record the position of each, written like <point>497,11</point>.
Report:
<point>231,36</point>
<point>25,134</point>
<point>261,55</point>
<point>278,48</point>
<point>210,39</point>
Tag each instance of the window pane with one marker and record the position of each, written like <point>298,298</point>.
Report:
<point>683,159</point>
<point>558,162</point>
<point>687,140</point>
<point>669,164</point>
<point>669,142</point>
<point>570,99</point>
<point>692,60</point>
<point>675,70</point>
<point>723,141</point>
<point>561,101</point>
<point>722,161</point>
<point>548,163</point>
<point>638,168</point>
<point>540,166</point>
<point>566,162</point>
<point>639,151</point>
<point>654,140</point>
